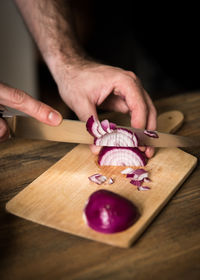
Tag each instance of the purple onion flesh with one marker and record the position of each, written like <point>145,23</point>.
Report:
<point>108,212</point>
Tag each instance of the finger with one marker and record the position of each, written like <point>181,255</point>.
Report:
<point>133,94</point>
<point>23,102</point>
<point>151,122</point>
<point>4,131</point>
<point>152,116</point>
<point>115,103</point>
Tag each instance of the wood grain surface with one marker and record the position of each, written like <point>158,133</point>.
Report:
<point>169,248</point>
<point>57,198</point>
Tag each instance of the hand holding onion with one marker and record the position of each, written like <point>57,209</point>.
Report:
<point>88,85</point>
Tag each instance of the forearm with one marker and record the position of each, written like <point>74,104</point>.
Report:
<point>51,24</point>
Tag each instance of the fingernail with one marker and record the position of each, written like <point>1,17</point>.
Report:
<point>54,117</point>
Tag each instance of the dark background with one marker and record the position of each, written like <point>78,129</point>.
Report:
<point>160,43</point>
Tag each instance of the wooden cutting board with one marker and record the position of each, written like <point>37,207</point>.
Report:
<point>57,198</point>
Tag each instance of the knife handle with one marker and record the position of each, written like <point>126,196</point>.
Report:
<point>170,121</point>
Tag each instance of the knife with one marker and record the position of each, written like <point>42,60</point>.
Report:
<point>75,132</point>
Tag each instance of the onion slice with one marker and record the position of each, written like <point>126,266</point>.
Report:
<point>97,178</point>
<point>143,188</point>
<point>151,133</point>
<point>108,212</point>
<point>121,156</point>
<point>119,144</point>
<point>117,137</point>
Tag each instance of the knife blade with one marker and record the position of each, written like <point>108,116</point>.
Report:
<point>75,132</point>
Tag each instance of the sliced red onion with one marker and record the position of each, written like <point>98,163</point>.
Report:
<point>117,138</point>
<point>128,170</point>
<point>107,133</point>
<point>92,126</point>
<point>151,133</point>
<point>121,156</point>
<point>110,181</point>
<point>97,178</point>
<point>143,188</point>
<point>136,182</point>
<point>108,212</point>
<point>108,126</point>
<point>146,180</point>
<point>138,174</point>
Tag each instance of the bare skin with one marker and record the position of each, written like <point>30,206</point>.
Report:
<point>83,83</point>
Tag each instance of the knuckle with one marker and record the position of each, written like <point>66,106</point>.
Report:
<point>38,108</point>
<point>40,111</point>
<point>132,75</point>
<point>17,96</point>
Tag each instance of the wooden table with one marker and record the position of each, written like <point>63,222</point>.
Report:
<point>169,248</point>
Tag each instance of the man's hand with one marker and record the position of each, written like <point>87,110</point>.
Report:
<point>90,85</point>
<point>84,84</point>
<point>23,102</point>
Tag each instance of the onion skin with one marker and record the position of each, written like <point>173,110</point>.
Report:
<point>108,212</point>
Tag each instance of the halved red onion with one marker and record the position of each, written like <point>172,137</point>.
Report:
<point>121,156</point>
<point>108,212</point>
<point>151,133</point>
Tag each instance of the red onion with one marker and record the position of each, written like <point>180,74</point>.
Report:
<point>151,133</point>
<point>117,137</point>
<point>97,178</point>
<point>136,182</point>
<point>107,133</point>
<point>127,171</point>
<point>143,188</point>
<point>121,156</point>
<point>108,212</point>
<point>100,179</point>
<point>123,142</point>
<point>138,174</point>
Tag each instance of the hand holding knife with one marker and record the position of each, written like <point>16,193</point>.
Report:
<point>75,132</point>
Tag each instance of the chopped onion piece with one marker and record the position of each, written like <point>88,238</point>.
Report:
<point>138,174</point>
<point>151,133</point>
<point>110,181</point>
<point>97,178</point>
<point>128,170</point>
<point>143,188</point>
<point>136,182</point>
